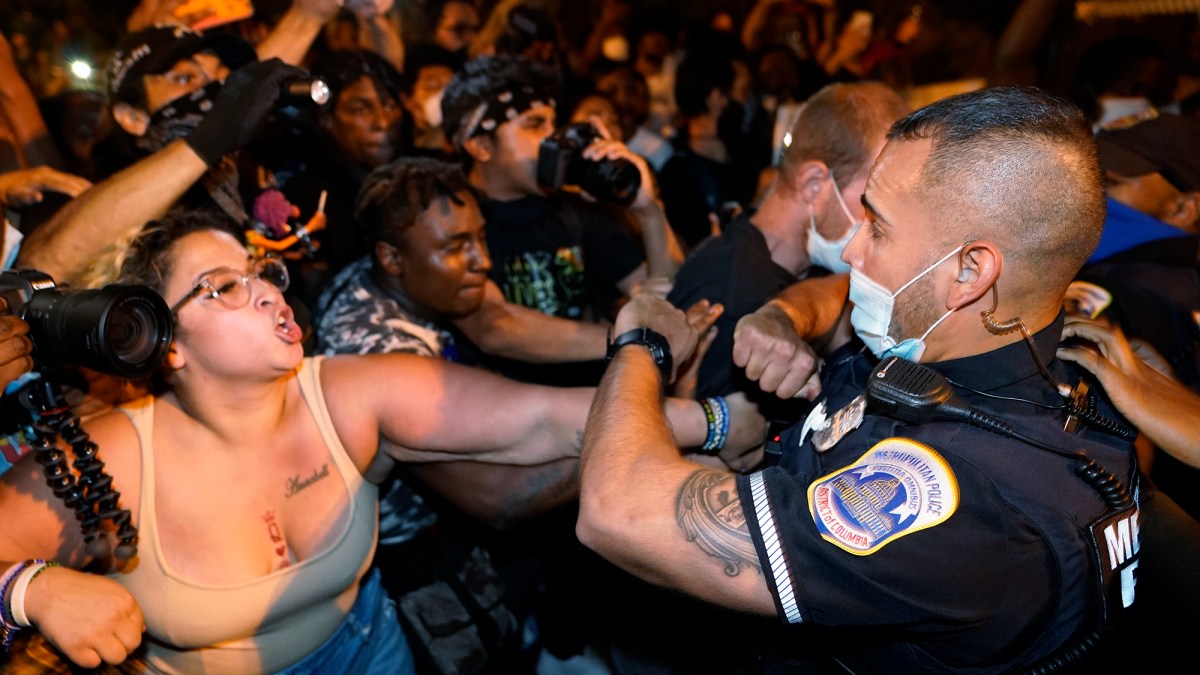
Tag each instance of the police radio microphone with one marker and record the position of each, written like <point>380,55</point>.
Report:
<point>915,394</point>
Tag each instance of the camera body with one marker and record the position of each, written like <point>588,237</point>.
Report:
<point>561,162</point>
<point>120,329</point>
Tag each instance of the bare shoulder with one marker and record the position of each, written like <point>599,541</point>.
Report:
<point>358,388</point>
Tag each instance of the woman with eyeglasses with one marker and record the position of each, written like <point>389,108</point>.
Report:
<point>250,477</point>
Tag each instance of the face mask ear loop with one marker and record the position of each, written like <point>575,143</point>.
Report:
<point>837,192</point>
<point>1004,327</point>
<point>932,267</point>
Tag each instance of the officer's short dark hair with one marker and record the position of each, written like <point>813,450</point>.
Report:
<point>1017,166</point>
<point>394,195</point>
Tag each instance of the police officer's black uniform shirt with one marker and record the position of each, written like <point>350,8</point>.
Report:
<point>958,547</point>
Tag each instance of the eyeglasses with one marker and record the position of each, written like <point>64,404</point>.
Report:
<point>231,288</point>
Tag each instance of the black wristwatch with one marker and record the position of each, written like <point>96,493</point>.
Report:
<point>660,349</point>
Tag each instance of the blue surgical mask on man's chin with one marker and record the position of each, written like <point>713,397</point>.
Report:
<point>873,309</point>
<point>825,252</point>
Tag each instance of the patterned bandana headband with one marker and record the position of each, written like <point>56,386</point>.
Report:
<point>507,105</point>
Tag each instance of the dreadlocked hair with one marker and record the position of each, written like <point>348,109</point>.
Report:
<point>393,195</point>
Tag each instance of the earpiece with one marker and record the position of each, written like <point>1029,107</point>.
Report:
<point>964,275</point>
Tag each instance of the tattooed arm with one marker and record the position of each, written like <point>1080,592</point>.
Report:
<point>654,514</point>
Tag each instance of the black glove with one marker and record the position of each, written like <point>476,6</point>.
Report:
<point>246,99</point>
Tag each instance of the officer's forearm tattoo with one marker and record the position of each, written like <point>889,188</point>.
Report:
<point>710,513</point>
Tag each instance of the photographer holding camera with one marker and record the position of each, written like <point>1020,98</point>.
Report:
<point>15,346</point>
<point>555,253</point>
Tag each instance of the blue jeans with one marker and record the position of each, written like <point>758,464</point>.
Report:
<point>368,642</point>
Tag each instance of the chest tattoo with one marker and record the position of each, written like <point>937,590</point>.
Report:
<point>277,540</point>
<point>296,483</point>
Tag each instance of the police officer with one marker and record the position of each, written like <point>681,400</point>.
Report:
<point>930,546</point>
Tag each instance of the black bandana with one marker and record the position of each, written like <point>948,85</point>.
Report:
<point>507,105</point>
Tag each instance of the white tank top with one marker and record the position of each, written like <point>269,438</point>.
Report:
<point>265,624</point>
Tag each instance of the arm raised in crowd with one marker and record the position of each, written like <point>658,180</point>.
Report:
<point>117,208</point>
<point>377,32</point>
<point>299,26</point>
<point>1164,410</point>
<point>112,210</point>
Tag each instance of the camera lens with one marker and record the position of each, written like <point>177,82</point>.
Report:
<point>119,330</point>
<point>612,180</point>
<point>130,331</point>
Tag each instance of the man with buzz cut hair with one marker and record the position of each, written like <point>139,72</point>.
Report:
<point>916,541</point>
<point>802,225</point>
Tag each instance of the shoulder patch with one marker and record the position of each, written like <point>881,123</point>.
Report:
<point>898,487</point>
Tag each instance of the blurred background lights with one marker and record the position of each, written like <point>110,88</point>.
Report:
<point>81,69</point>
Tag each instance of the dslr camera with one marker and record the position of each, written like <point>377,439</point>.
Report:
<point>120,330</point>
<point>560,162</point>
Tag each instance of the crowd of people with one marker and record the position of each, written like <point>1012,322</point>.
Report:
<point>671,351</point>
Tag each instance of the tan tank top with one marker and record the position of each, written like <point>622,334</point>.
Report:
<point>261,625</point>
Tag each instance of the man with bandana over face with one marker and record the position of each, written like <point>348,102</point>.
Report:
<point>897,531</point>
<point>186,102</point>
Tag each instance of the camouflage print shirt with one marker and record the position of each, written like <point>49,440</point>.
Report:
<point>355,316</point>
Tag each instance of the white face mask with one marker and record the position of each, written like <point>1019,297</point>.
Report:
<point>872,314</point>
<point>432,107</point>
<point>822,251</point>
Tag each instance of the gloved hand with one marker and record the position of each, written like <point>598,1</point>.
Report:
<point>246,99</point>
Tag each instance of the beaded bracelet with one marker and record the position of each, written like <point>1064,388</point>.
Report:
<point>9,577</point>
<point>21,586</point>
<point>710,418</point>
<point>716,413</point>
<point>8,629</point>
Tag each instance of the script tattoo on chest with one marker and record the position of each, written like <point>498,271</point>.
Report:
<point>296,483</point>
<point>710,513</point>
<point>280,544</point>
